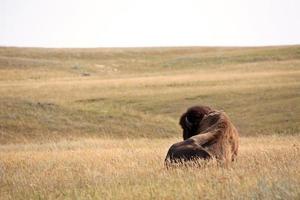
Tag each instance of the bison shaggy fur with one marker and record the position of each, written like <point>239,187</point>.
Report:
<point>209,136</point>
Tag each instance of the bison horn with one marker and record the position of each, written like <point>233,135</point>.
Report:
<point>188,123</point>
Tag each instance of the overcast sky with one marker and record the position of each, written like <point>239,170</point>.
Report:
<point>127,23</point>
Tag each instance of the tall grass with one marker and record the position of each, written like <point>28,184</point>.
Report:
<point>97,123</point>
<point>267,168</point>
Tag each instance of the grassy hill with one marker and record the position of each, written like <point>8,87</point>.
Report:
<point>53,94</point>
<point>98,97</point>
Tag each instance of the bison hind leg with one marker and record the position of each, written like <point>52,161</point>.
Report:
<point>198,153</point>
<point>187,155</point>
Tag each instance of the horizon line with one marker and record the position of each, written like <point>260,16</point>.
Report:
<point>151,47</point>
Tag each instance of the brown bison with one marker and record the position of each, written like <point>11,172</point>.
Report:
<point>189,121</point>
<point>210,135</point>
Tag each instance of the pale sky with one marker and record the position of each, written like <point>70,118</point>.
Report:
<point>138,23</point>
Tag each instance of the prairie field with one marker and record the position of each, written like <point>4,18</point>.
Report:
<point>97,123</point>
<point>267,168</point>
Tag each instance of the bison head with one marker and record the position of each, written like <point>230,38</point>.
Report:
<point>190,120</point>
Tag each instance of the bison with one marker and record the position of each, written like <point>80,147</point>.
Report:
<point>207,134</point>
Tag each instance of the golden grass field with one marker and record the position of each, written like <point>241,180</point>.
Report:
<point>97,123</point>
<point>267,168</point>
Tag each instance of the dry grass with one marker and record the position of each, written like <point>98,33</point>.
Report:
<point>267,168</point>
<point>97,123</point>
<point>53,94</point>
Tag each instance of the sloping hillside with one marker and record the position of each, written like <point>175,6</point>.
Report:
<point>50,94</point>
